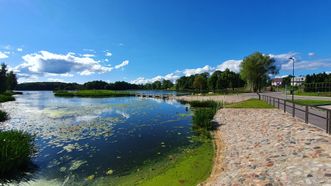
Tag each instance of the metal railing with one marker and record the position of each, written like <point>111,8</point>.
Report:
<point>317,116</point>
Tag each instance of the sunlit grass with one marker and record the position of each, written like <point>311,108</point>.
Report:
<point>251,103</point>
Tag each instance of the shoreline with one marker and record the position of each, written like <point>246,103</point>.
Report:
<point>218,166</point>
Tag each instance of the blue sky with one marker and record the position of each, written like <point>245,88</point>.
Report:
<point>146,40</point>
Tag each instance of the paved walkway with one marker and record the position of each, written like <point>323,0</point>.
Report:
<point>232,98</point>
<point>269,147</point>
<point>283,96</point>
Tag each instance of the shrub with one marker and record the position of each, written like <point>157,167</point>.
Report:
<point>3,116</point>
<point>202,118</point>
<point>6,97</point>
<point>16,148</point>
<point>208,103</point>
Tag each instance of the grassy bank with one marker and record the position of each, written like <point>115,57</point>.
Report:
<point>311,102</point>
<point>6,97</point>
<point>251,103</point>
<point>188,167</point>
<point>16,147</point>
<point>93,93</point>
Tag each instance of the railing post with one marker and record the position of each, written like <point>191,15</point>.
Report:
<point>306,115</point>
<point>328,121</point>
<point>274,102</point>
<point>278,103</point>
<point>293,111</point>
<point>284,105</point>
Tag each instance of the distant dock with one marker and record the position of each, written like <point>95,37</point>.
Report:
<point>157,96</point>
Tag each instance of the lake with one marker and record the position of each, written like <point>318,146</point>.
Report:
<point>79,140</point>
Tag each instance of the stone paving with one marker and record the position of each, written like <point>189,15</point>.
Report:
<point>268,147</point>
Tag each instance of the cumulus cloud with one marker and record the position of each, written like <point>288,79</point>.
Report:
<point>88,55</point>
<point>55,80</point>
<point>308,65</point>
<point>189,72</point>
<point>233,65</point>
<point>3,55</point>
<point>281,60</point>
<point>123,64</point>
<point>108,54</point>
<point>46,62</point>
<point>19,49</point>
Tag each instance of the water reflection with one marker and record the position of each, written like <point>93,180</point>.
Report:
<point>84,138</point>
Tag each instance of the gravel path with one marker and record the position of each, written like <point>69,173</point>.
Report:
<point>226,98</point>
<point>269,147</point>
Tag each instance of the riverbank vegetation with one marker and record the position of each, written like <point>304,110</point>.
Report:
<point>93,93</point>
<point>251,103</point>
<point>3,116</point>
<point>16,148</point>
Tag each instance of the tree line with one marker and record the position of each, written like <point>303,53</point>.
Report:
<point>254,74</point>
<point>217,81</point>
<point>8,80</point>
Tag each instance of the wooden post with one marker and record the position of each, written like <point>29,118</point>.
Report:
<point>293,111</point>
<point>306,115</point>
<point>274,102</point>
<point>284,105</point>
<point>278,103</point>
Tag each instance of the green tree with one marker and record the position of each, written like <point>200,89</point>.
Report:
<point>3,78</point>
<point>11,80</point>
<point>200,82</point>
<point>166,84</point>
<point>255,69</point>
<point>213,79</point>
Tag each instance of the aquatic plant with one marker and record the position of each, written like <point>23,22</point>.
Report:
<point>16,148</point>
<point>202,118</point>
<point>3,116</point>
<point>93,93</point>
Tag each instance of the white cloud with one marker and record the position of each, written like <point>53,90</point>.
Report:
<point>108,54</point>
<point>19,49</point>
<point>123,64</point>
<point>3,55</point>
<point>232,65</point>
<point>311,54</point>
<point>46,62</point>
<point>189,72</point>
<point>308,65</point>
<point>88,55</point>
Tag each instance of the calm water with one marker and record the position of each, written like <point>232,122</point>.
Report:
<point>79,137</point>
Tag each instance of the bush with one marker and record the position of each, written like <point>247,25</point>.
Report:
<point>202,118</point>
<point>208,103</point>
<point>3,116</point>
<point>6,97</point>
<point>16,148</point>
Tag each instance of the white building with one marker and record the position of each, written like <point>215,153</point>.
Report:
<point>298,80</point>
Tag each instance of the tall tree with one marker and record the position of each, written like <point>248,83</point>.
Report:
<point>11,81</point>
<point>3,78</point>
<point>255,69</point>
<point>200,82</point>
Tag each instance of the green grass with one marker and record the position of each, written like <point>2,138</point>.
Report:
<point>6,97</point>
<point>323,94</point>
<point>202,118</point>
<point>311,102</point>
<point>188,167</point>
<point>93,93</point>
<point>251,103</point>
<point>16,148</point>
<point>3,116</point>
